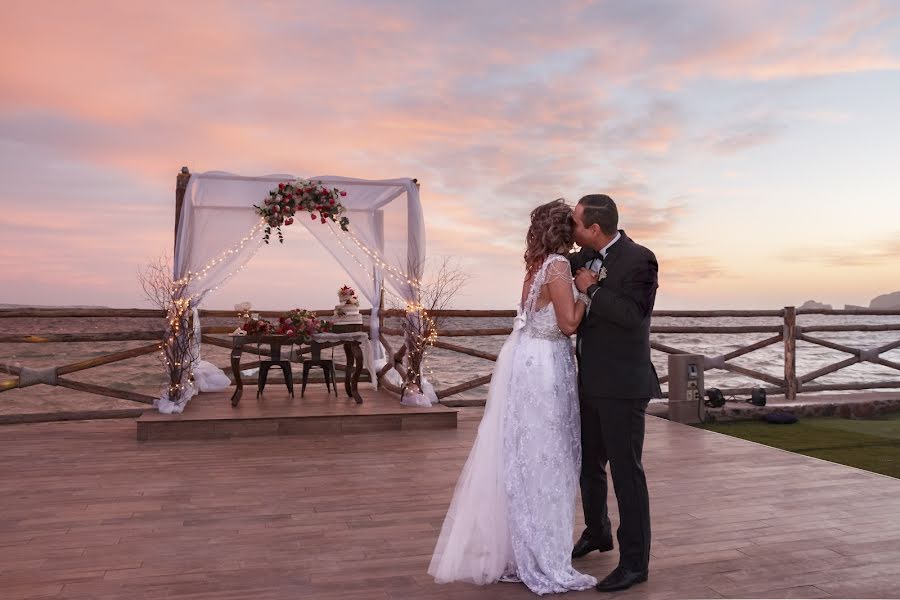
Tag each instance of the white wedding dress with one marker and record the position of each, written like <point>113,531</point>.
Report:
<point>513,508</point>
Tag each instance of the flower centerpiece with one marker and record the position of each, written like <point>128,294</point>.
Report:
<point>302,324</point>
<point>255,326</point>
<point>282,204</point>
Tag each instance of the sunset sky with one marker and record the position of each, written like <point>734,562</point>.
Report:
<point>754,146</point>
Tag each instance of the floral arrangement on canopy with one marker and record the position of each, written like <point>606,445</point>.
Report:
<point>283,203</point>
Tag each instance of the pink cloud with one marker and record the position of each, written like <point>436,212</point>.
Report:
<point>874,253</point>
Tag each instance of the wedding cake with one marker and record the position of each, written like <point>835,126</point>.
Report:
<point>347,312</point>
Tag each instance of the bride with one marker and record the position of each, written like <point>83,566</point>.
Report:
<point>511,516</point>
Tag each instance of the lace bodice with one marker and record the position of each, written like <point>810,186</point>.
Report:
<point>541,322</point>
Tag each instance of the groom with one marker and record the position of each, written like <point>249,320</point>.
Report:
<point>615,383</point>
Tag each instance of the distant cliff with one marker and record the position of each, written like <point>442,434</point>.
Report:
<point>886,301</point>
<point>815,305</point>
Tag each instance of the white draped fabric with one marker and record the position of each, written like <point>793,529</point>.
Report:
<point>219,231</point>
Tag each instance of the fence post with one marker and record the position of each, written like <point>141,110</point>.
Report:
<point>790,353</point>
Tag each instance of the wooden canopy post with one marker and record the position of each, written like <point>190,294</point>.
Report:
<point>181,182</point>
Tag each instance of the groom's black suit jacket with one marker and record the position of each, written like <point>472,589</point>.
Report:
<point>614,336</point>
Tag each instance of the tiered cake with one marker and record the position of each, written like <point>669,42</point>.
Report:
<point>347,312</point>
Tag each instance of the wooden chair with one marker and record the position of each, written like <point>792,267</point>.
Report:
<point>326,364</point>
<point>277,361</point>
<point>285,365</point>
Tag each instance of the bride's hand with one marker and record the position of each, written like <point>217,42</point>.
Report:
<point>585,278</point>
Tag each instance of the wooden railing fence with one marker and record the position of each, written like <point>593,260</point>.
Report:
<point>787,333</point>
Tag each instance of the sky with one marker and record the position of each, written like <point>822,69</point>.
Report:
<point>752,145</point>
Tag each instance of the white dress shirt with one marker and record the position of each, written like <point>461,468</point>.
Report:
<point>596,263</point>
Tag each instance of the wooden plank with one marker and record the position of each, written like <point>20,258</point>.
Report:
<point>754,374</point>
<point>103,391</point>
<point>886,363</point>
<point>753,347</point>
<point>870,385</point>
<point>464,403</point>
<point>75,415</point>
<point>457,332</point>
<point>667,349</point>
<point>828,344</point>
<point>117,336</point>
<point>270,314</point>
<point>828,369</point>
<point>456,389</point>
<point>715,329</point>
<point>57,313</point>
<point>107,358</point>
<point>717,313</point>
<point>463,350</point>
<point>855,328</point>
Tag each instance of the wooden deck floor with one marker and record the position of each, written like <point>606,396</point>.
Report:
<point>88,512</point>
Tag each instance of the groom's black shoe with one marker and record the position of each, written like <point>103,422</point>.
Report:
<point>621,579</point>
<point>586,545</point>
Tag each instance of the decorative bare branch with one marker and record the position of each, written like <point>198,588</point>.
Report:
<point>178,348</point>
<point>436,290</point>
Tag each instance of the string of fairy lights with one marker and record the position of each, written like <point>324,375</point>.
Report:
<point>180,306</point>
<point>423,344</point>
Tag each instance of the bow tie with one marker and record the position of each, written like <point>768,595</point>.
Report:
<point>590,254</point>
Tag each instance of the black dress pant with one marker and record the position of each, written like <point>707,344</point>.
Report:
<point>612,431</point>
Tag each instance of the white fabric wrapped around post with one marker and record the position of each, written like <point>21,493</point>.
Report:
<point>219,231</point>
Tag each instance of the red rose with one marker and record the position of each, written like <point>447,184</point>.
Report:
<point>280,186</point>
<point>331,201</point>
<point>313,217</point>
<point>289,220</point>
<point>343,193</point>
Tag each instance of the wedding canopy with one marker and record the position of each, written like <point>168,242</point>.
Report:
<point>219,231</point>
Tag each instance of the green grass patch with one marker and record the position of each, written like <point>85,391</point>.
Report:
<point>869,444</point>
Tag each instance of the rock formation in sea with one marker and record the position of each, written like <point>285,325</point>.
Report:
<point>886,301</point>
<point>815,305</point>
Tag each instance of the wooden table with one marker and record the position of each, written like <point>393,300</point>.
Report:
<point>352,350</point>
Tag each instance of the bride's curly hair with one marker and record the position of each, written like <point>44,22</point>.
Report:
<point>552,231</point>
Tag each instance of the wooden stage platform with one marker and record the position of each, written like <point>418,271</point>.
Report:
<point>210,416</point>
